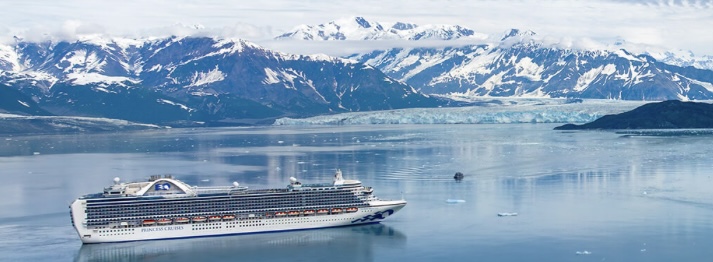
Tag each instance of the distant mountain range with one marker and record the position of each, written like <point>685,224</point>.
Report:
<point>190,80</point>
<point>683,59</point>
<point>206,81</point>
<point>358,28</point>
<point>519,65</point>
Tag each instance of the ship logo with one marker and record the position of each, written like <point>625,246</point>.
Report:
<point>375,216</point>
<point>164,186</point>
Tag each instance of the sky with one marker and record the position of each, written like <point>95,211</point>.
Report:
<point>674,24</point>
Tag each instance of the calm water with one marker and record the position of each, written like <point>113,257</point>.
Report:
<point>579,196</point>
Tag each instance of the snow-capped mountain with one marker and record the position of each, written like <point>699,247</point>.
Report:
<point>677,57</point>
<point>526,68</point>
<point>182,79</point>
<point>521,64</point>
<point>683,59</point>
<point>358,28</point>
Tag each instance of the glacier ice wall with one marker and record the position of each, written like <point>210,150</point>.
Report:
<point>500,111</point>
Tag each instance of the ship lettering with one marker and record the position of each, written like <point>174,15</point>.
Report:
<point>156,229</point>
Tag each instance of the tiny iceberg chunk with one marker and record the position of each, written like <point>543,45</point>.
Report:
<point>453,201</point>
<point>585,252</point>
<point>505,214</point>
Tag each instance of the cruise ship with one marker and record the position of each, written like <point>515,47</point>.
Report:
<point>164,207</point>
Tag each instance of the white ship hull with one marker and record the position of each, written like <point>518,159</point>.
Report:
<point>377,211</point>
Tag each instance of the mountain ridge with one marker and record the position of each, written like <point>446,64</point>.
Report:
<point>359,28</point>
<point>187,80</point>
<point>480,69</point>
<point>192,79</point>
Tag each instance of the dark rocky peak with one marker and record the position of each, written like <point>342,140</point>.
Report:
<point>403,26</point>
<point>517,33</point>
<point>671,114</point>
<point>362,22</point>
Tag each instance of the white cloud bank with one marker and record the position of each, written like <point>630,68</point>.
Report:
<point>673,24</point>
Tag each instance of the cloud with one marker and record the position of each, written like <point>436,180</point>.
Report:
<point>69,30</point>
<point>238,30</point>
<point>344,48</point>
<point>349,47</point>
<point>671,23</point>
<point>246,31</point>
<point>671,3</point>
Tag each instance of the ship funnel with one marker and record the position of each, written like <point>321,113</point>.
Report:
<point>338,179</point>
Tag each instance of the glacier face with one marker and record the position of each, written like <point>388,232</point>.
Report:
<point>488,111</point>
<point>22,124</point>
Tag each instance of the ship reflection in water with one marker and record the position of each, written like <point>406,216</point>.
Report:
<point>352,243</point>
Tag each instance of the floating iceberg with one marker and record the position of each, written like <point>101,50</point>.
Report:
<point>453,201</point>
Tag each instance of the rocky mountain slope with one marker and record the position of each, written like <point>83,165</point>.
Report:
<point>189,80</point>
<point>521,64</point>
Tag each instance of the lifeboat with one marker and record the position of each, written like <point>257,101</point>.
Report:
<point>309,212</point>
<point>280,214</point>
<point>323,211</point>
<point>182,220</point>
<point>214,218</point>
<point>352,209</point>
<point>199,219</point>
<point>228,217</point>
<point>148,222</point>
<point>336,210</point>
<point>164,221</point>
<point>293,213</point>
